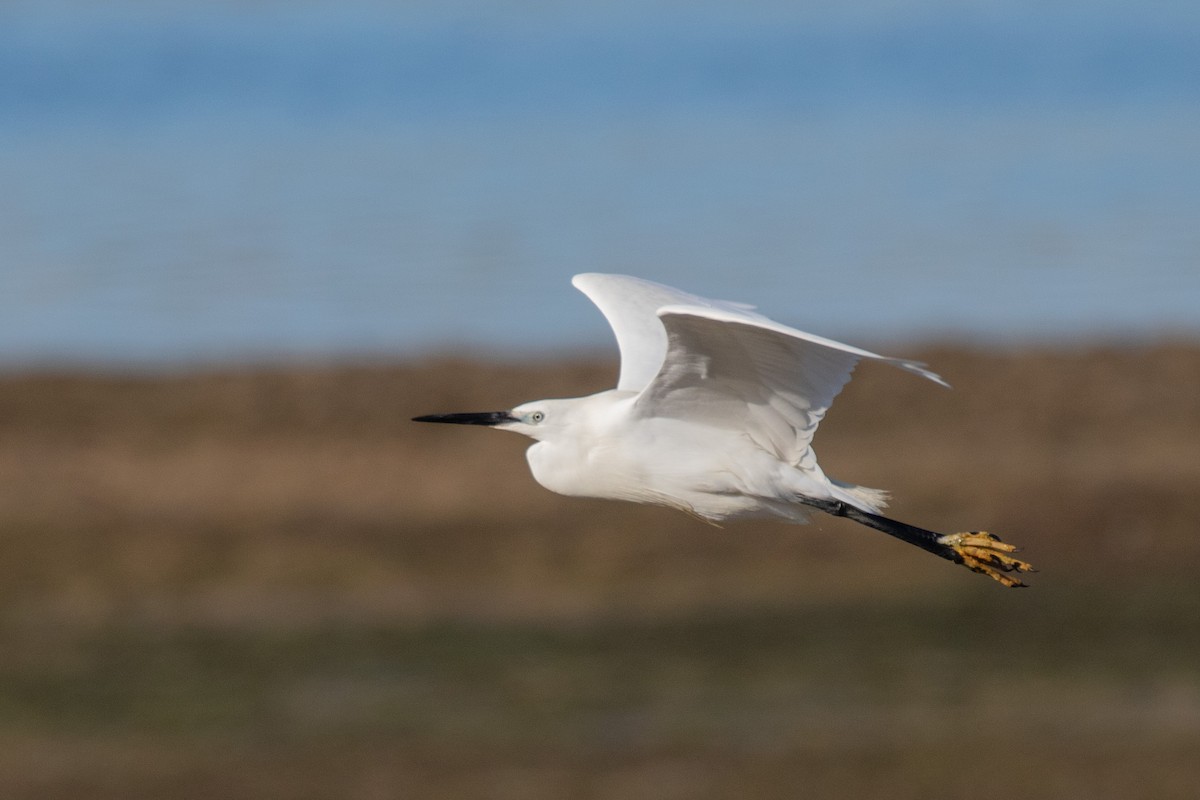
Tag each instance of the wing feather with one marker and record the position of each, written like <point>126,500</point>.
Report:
<point>741,371</point>
<point>630,305</point>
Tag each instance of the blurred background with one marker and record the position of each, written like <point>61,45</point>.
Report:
<point>242,243</point>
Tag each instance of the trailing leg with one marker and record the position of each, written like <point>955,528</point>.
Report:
<point>978,551</point>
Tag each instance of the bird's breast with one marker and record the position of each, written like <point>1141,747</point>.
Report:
<point>580,472</point>
<point>699,474</point>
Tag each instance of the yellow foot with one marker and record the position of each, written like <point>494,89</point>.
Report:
<point>980,551</point>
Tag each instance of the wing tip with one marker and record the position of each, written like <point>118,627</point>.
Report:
<point>919,368</point>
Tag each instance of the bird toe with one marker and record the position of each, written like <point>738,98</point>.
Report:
<point>985,553</point>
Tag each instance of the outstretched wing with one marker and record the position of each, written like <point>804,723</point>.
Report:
<point>742,371</point>
<point>631,307</point>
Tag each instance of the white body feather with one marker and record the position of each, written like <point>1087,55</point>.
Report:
<point>714,412</point>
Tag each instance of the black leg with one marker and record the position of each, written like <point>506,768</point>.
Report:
<point>978,551</point>
<point>926,540</point>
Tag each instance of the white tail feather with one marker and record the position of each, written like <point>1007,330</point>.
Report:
<point>870,500</point>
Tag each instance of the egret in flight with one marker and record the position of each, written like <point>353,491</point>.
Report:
<point>714,414</point>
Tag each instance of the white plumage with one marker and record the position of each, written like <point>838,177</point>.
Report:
<point>714,413</point>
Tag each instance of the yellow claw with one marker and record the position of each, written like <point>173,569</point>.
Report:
<point>980,551</point>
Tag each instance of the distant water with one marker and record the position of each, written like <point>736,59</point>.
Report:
<point>243,181</point>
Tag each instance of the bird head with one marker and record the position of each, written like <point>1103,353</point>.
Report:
<point>535,419</point>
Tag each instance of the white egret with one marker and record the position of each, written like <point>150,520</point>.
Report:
<point>714,414</point>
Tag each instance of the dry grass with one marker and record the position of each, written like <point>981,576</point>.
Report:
<point>268,582</point>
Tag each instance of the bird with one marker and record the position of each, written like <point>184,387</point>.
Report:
<point>714,414</point>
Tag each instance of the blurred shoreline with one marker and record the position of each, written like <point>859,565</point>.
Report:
<point>1063,448</point>
<point>254,581</point>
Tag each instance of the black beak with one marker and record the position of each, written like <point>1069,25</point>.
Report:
<point>470,418</point>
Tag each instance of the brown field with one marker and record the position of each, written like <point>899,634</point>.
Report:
<point>268,583</point>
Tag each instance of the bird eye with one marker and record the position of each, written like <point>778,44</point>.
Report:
<point>536,417</point>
